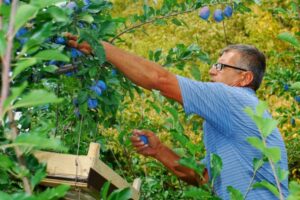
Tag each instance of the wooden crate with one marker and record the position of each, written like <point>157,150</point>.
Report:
<point>86,173</point>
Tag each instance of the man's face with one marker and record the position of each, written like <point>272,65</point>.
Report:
<point>229,76</point>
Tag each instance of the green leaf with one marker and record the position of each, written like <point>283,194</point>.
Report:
<point>272,153</point>
<point>104,190</point>
<point>295,86</point>
<point>39,141</point>
<point>216,166</point>
<point>52,55</point>
<point>58,14</point>
<point>24,13</point>
<point>257,143</point>
<point>2,43</point>
<point>37,177</point>
<point>22,65</point>
<point>268,126</point>
<point>282,174</point>
<point>43,3</point>
<point>36,97</point>
<point>288,37</point>
<point>40,35</point>
<point>86,17</point>
<point>119,194</point>
<point>257,163</point>
<point>16,92</point>
<point>53,193</point>
<point>234,193</point>
<point>173,112</point>
<point>294,190</point>
<point>5,162</point>
<point>176,22</point>
<point>195,72</point>
<point>50,68</point>
<point>261,107</point>
<point>266,185</point>
<point>5,196</point>
<point>249,112</point>
<point>195,193</point>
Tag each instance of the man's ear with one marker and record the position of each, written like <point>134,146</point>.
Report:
<point>247,78</point>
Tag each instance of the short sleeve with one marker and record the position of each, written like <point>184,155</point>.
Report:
<point>208,100</point>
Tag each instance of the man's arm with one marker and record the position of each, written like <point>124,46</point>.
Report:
<point>167,157</point>
<point>143,72</point>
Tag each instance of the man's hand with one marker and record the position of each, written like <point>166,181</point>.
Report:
<point>150,149</point>
<point>83,47</point>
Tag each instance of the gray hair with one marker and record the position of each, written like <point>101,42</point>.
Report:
<point>251,58</point>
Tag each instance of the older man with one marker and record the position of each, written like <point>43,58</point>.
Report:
<point>234,79</point>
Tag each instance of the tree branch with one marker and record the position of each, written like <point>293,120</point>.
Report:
<point>19,153</point>
<point>150,21</point>
<point>7,57</point>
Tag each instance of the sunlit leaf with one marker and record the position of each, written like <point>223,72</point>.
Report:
<point>288,37</point>
<point>39,141</point>
<point>268,126</point>
<point>104,190</point>
<point>22,65</point>
<point>282,174</point>
<point>296,86</point>
<point>123,194</point>
<point>216,165</point>
<point>256,142</point>
<point>37,177</point>
<point>58,14</point>
<point>195,192</point>
<point>234,193</point>
<point>273,153</point>
<point>261,108</point>
<point>53,193</point>
<point>52,55</point>
<point>43,3</point>
<point>266,185</point>
<point>24,13</point>
<point>36,97</point>
<point>257,163</point>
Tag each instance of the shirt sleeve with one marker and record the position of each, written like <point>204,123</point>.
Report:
<point>208,100</point>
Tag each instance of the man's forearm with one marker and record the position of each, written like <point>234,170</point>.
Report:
<point>171,160</point>
<point>139,70</point>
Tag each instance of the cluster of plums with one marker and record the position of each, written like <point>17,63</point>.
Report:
<point>218,15</point>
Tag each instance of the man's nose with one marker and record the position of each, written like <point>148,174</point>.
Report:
<point>212,71</point>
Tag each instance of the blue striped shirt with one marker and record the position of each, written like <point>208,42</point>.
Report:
<point>226,128</point>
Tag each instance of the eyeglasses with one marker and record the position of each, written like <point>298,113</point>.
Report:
<point>220,66</point>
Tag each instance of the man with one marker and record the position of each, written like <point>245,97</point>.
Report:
<point>234,79</point>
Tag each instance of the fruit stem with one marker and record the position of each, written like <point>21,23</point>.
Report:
<point>225,35</point>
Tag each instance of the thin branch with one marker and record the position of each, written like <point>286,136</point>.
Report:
<point>163,17</point>
<point>1,16</point>
<point>20,158</point>
<point>7,57</point>
<point>150,21</point>
<point>274,172</point>
<point>225,35</point>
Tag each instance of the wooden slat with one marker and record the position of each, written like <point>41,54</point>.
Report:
<point>113,177</point>
<point>64,165</point>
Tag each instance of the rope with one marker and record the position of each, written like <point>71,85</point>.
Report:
<point>76,160</point>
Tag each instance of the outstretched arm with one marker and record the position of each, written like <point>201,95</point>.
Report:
<point>142,72</point>
<point>166,156</point>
